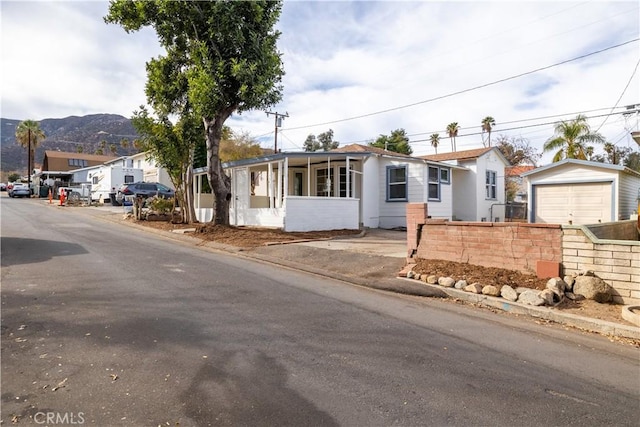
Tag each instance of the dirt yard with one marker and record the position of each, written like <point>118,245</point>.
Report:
<point>251,238</point>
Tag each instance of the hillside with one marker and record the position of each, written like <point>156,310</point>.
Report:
<point>67,134</point>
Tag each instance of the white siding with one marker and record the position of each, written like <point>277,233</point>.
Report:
<point>393,214</point>
<point>629,192</point>
<point>321,213</point>
<point>490,209</point>
<point>464,199</point>
<point>370,193</point>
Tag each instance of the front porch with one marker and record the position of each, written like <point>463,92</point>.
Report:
<point>291,191</point>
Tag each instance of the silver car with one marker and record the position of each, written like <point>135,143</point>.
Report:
<point>19,190</point>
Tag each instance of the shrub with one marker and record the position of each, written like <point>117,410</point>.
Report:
<point>160,205</point>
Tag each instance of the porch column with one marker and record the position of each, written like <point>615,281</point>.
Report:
<point>285,173</point>
<point>270,184</point>
<point>308,176</point>
<point>279,188</point>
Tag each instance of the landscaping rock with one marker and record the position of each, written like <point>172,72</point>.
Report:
<point>460,284</point>
<point>447,282</point>
<point>569,281</point>
<point>491,291</point>
<point>573,297</point>
<point>557,285</point>
<point>547,295</point>
<point>475,288</point>
<point>432,280</point>
<point>530,297</point>
<point>588,273</point>
<point>593,288</point>
<point>508,293</point>
<point>522,289</point>
<point>410,274</point>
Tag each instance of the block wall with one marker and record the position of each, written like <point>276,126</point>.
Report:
<point>615,262</point>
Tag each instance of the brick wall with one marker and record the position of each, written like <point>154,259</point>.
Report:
<point>515,246</point>
<point>620,230</point>
<point>617,263</point>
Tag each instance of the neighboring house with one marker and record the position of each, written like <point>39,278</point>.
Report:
<point>479,189</point>
<point>513,180</point>
<point>152,172</point>
<point>581,192</point>
<point>347,188</point>
<point>60,161</point>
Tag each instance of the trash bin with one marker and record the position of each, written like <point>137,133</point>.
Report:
<point>127,202</point>
<point>114,201</point>
<point>44,191</point>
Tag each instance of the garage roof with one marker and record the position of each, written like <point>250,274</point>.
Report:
<point>582,163</point>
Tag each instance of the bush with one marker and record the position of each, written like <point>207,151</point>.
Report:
<point>160,205</point>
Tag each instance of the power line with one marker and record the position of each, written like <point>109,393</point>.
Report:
<point>469,89</point>
<point>622,94</point>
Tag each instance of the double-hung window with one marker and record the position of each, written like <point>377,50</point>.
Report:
<point>490,185</point>
<point>397,183</point>
<point>324,180</point>
<point>433,184</point>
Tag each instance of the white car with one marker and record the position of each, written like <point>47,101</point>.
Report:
<point>19,190</point>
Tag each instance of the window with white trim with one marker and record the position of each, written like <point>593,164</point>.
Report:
<point>324,179</point>
<point>433,184</point>
<point>397,183</point>
<point>491,186</point>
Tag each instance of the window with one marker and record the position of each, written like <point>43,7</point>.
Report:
<point>490,184</point>
<point>128,179</point>
<point>342,185</point>
<point>397,184</point>
<point>298,182</point>
<point>95,180</point>
<point>78,162</point>
<point>323,182</point>
<point>444,176</point>
<point>433,184</point>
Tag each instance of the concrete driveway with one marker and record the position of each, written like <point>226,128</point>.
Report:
<point>389,243</point>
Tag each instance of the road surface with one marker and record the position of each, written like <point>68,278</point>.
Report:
<point>108,325</point>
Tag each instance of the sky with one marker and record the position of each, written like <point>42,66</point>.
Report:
<point>361,69</point>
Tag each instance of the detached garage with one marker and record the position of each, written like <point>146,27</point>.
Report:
<point>581,192</point>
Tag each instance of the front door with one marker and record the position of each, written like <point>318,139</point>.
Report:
<point>241,191</point>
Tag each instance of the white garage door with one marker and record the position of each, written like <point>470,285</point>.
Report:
<point>573,203</point>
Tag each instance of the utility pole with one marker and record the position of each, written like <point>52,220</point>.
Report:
<point>29,162</point>
<point>278,123</point>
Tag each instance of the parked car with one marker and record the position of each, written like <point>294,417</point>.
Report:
<point>19,189</point>
<point>144,189</point>
<point>3,186</point>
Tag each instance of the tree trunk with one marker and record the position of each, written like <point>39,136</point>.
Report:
<point>220,183</point>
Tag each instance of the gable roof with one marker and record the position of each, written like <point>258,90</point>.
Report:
<point>458,155</point>
<point>511,171</point>
<point>583,163</point>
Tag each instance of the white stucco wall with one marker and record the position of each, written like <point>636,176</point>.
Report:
<point>321,213</point>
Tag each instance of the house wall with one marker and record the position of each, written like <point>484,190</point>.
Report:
<point>370,201</point>
<point>464,201</point>
<point>321,213</point>
<point>629,194</point>
<point>489,209</point>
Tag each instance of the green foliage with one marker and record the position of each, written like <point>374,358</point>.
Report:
<point>13,177</point>
<point>160,205</point>
<point>397,142</point>
<point>323,142</point>
<point>221,57</point>
<point>239,146</point>
<point>452,131</point>
<point>435,141</point>
<point>29,134</point>
<point>570,139</point>
<point>487,126</point>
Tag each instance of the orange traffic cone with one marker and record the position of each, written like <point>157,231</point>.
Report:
<point>50,196</point>
<point>62,197</point>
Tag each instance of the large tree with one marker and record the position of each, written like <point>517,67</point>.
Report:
<point>435,141</point>
<point>29,135</point>
<point>570,139</point>
<point>452,131</point>
<point>323,142</point>
<point>398,141</point>
<point>221,58</point>
<point>517,150</point>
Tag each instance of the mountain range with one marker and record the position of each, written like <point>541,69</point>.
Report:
<point>69,134</point>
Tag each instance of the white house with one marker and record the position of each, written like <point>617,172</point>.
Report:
<point>347,188</point>
<point>479,192</point>
<point>152,172</point>
<point>581,192</point>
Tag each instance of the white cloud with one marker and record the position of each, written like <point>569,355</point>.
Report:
<point>351,59</point>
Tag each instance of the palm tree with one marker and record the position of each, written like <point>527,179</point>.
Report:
<point>435,141</point>
<point>452,130</point>
<point>487,124</point>
<point>570,139</point>
<point>29,135</point>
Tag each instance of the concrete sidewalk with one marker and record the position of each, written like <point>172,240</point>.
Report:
<point>377,246</point>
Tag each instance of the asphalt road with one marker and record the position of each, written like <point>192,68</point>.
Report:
<point>108,325</point>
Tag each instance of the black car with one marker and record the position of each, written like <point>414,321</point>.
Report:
<point>144,189</point>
